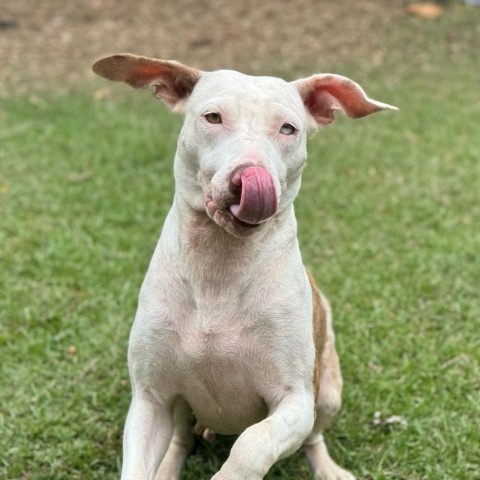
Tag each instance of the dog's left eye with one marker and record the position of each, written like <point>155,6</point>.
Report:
<point>213,117</point>
<point>288,129</point>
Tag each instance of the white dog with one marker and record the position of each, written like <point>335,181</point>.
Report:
<point>231,331</point>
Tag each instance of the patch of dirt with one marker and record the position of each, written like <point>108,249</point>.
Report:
<point>50,45</point>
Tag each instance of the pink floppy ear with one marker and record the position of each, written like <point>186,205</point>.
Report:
<point>324,93</point>
<point>171,80</point>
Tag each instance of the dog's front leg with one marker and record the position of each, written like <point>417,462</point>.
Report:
<point>262,444</point>
<point>148,431</point>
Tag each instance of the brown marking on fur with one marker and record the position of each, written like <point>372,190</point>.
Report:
<point>334,366</point>
<point>319,331</point>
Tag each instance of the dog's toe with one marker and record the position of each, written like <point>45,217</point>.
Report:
<point>333,472</point>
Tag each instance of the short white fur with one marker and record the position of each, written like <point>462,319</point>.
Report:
<point>223,335</point>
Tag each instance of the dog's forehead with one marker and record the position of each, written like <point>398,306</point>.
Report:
<point>235,85</point>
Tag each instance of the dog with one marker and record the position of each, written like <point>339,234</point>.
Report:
<point>232,334</point>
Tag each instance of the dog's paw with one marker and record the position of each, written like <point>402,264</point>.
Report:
<point>229,473</point>
<point>332,472</point>
<point>222,476</point>
<point>322,465</point>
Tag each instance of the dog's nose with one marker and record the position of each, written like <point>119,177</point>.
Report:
<point>258,197</point>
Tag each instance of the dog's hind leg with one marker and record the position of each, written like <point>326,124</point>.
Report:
<point>329,396</point>
<point>327,406</point>
<point>181,444</point>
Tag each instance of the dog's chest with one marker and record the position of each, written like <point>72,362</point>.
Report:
<point>219,366</point>
<point>229,344</point>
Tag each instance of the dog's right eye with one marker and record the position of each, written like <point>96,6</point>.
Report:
<point>213,117</point>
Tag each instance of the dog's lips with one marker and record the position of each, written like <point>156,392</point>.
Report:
<point>258,198</point>
<point>240,223</point>
<point>225,219</point>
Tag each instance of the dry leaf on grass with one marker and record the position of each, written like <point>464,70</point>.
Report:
<point>378,421</point>
<point>425,10</point>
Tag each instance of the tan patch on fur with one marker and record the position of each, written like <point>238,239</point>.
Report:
<point>319,331</point>
<point>171,80</point>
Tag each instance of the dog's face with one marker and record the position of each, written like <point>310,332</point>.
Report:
<point>243,143</point>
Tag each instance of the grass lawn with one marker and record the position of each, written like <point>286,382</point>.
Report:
<point>389,218</point>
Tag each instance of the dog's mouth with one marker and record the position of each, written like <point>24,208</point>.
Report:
<point>239,223</point>
<point>252,200</point>
<point>224,218</point>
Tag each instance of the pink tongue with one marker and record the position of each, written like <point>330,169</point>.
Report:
<point>258,200</point>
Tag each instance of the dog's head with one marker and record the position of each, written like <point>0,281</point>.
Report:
<point>242,147</point>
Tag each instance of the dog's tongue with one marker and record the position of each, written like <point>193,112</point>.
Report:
<point>258,200</point>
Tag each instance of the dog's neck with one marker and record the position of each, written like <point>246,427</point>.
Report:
<point>198,243</point>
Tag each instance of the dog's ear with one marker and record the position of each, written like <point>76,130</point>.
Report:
<point>324,93</point>
<point>172,81</point>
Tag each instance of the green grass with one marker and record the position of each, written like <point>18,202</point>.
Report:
<point>389,218</point>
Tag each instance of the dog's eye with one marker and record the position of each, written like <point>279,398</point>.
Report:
<point>288,129</point>
<point>213,117</point>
